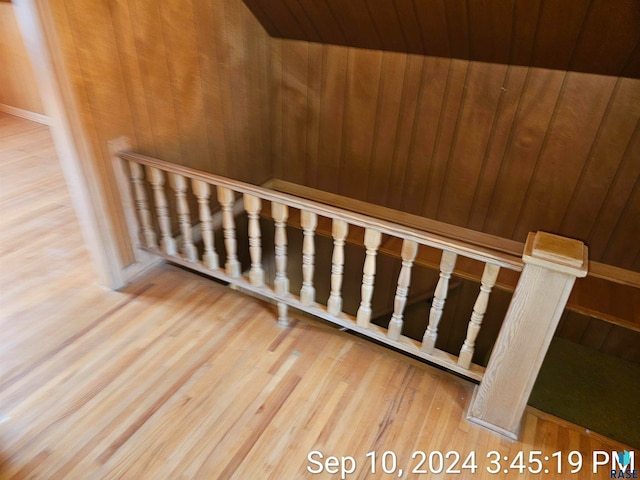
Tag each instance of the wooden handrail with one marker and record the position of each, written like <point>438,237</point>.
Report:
<point>480,253</point>
<point>599,270</point>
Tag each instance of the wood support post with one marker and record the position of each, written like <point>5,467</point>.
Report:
<point>552,264</point>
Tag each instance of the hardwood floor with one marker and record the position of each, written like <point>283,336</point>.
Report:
<point>179,377</point>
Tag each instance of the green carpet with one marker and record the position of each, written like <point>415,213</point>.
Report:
<point>591,389</point>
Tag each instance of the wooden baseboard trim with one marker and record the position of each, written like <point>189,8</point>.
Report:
<point>19,112</point>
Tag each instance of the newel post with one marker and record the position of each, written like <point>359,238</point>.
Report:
<point>551,265</point>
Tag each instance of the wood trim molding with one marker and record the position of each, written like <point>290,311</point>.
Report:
<point>20,112</point>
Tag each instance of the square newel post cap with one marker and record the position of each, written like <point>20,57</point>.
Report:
<point>557,253</point>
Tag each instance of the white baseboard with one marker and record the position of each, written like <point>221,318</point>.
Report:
<point>19,112</point>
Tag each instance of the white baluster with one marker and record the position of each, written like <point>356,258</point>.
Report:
<point>280,214</point>
<point>447,262</point>
<point>226,198</point>
<point>179,185</point>
<point>409,252</point>
<point>142,205</point>
<point>372,240</point>
<point>339,231</point>
<point>309,222</point>
<point>203,192</point>
<point>167,242</point>
<point>489,277</point>
<point>253,205</point>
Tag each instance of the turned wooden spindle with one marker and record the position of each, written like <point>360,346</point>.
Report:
<point>167,242</point>
<point>339,231</point>
<point>253,205</point>
<point>372,240</point>
<point>226,199</point>
<point>280,215</point>
<point>203,193</point>
<point>309,221</point>
<point>447,262</point>
<point>409,252</point>
<point>489,277</point>
<point>142,205</point>
<point>179,185</point>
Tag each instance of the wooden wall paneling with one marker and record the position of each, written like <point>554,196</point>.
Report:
<point>303,20</point>
<point>525,21</point>
<point>181,49</point>
<point>408,18</point>
<point>356,23</point>
<point>314,92</point>
<point>477,113</point>
<point>276,99</point>
<point>497,144</point>
<point>243,90</point>
<point>363,84</point>
<point>425,130</point>
<point>434,29</point>
<point>615,130</point>
<point>212,78</point>
<point>228,112</point>
<point>610,35</point>
<point>632,67</point>
<point>621,187</point>
<point>323,20</point>
<point>96,74</point>
<point>142,134</point>
<point>556,40</point>
<point>458,28</point>
<point>578,35</point>
<point>536,106</point>
<point>262,15</point>
<point>623,247</point>
<point>595,335</point>
<point>491,30</point>
<point>257,59</point>
<point>280,14</point>
<point>389,102</point>
<point>150,48</point>
<point>447,130</point>
<point>334,87</point>
<point>238,68</point>
<point>295,111</point>
<point>572,326</point>
<point>19,87</point>
<point>622,343</point>
<point>387,24</point>
<point>571,135</point>
<point>412,82</point>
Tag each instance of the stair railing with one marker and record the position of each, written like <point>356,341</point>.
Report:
<point>549,267</point>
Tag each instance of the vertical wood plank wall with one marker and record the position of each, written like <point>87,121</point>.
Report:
<point>17,81</point>
<point>497,148</point>
<point>185,81</point>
